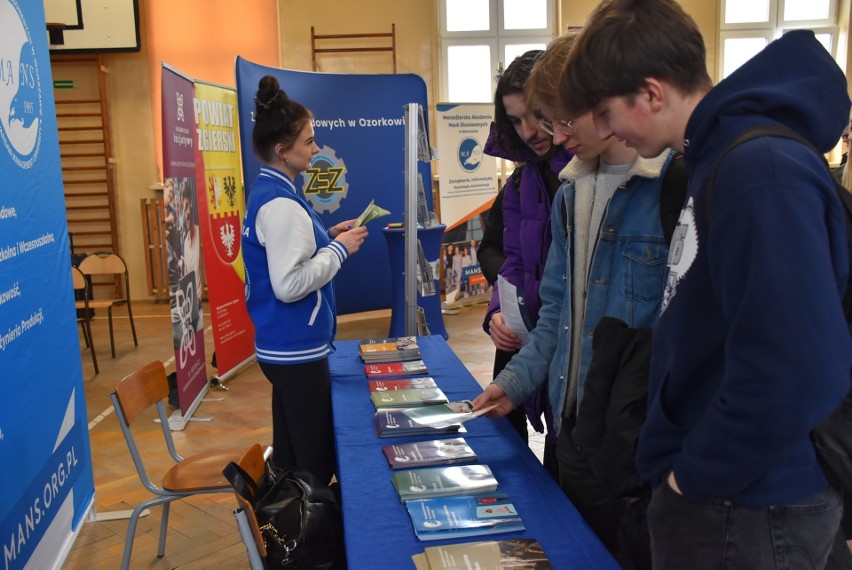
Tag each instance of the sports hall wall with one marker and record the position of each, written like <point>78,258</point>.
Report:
<point>204,44</point>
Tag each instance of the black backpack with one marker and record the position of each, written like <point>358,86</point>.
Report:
<point>833,437</point>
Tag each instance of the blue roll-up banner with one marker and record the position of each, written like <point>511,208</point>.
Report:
<point>46,483</point>
<point>360,128</point>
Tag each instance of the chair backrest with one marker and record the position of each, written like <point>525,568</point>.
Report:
<point>136,392</point>
<point>103,263</point>
<point>142,389</point>
<point>253,463</point>
<point>108,263</point>
<point>78,279</point>
<point>80,284</point>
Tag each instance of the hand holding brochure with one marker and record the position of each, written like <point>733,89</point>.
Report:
<point>444,415</point>
<point>370,213</point>
<point>511,310</point>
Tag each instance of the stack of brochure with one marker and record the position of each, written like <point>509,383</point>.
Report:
<point>429,482</point>
<point>393,422</point>
<point>396,369</point>
<point>428,453</point>
<point>486,555</point>
<point>389,349</point>
<point>432,420</point>
<point>401,384</point>
<point>408,398</point>
<point>444,518</point>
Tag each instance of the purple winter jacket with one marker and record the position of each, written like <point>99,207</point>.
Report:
<point>526,212</point>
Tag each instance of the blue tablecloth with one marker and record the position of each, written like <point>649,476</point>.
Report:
<point>378,530</point>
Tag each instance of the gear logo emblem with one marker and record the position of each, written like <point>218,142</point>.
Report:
<point>325,183</point>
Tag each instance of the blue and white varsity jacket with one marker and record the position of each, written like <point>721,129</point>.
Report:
<point>290,262</point>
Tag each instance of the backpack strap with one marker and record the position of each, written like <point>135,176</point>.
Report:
<point>550,178</point>
<point>515,177</point>
<point>846,202</point>
<point>776,130</point>
<point>672,195</point>
<point>768,130</point>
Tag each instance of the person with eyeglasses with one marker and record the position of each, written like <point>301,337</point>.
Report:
<point>517,233</point>
<point>607,259</point>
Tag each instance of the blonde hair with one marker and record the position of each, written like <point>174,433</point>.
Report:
<point>543,86</point>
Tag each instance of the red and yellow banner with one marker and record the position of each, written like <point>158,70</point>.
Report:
<point>221,206</point>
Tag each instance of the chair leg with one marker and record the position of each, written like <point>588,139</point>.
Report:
<point>134,519</point>
<point>85,335</point>
<point>132,326</point>
<point>131,535</point>
<point>92,346</point>
<point>111,338</point>
<point>164,527</point>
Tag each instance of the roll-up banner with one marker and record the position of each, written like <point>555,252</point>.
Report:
<point>468,184</point>
<point>45,457</point>
<point>183,236</point>
<point>221,206</point>
<point>360,128</point>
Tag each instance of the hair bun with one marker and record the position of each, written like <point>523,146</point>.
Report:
<point>269,94</point>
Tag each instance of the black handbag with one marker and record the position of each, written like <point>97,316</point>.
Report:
<point>299,517</point>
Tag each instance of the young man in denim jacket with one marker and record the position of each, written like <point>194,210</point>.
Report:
<point>607,258</point>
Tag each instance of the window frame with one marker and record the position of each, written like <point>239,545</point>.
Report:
<point>774,27</point>
<point>496,38</point>
<point>445,65</point>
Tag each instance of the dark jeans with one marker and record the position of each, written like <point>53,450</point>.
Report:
<point>302,424</point>
<point>714,534</point>
<point>840,557</point>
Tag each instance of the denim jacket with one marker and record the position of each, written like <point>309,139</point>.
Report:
<point>626,280</point>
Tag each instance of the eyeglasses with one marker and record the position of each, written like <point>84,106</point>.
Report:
<point>550,127</point>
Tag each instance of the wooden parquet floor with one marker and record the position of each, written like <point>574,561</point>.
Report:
<point>202,531</point>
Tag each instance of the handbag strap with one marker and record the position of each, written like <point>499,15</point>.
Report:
<point>241,481</point>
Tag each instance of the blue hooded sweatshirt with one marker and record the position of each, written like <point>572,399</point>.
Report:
<point>752,351</point>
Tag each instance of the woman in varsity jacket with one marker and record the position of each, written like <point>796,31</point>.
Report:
<point>290,261</point>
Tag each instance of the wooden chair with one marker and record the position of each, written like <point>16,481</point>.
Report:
<point>84,313</point>
<point>196,474</point>
<point>254,464</point>
<point>109,263</point>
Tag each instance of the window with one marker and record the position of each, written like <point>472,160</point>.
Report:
<point>749,25</point>
<point>479,38</point>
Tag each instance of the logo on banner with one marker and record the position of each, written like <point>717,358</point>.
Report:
<point>225,219</point>
<point>325,181</point>
<point>20,88</point>
<point>470,154</point>
<point>187,311</point>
